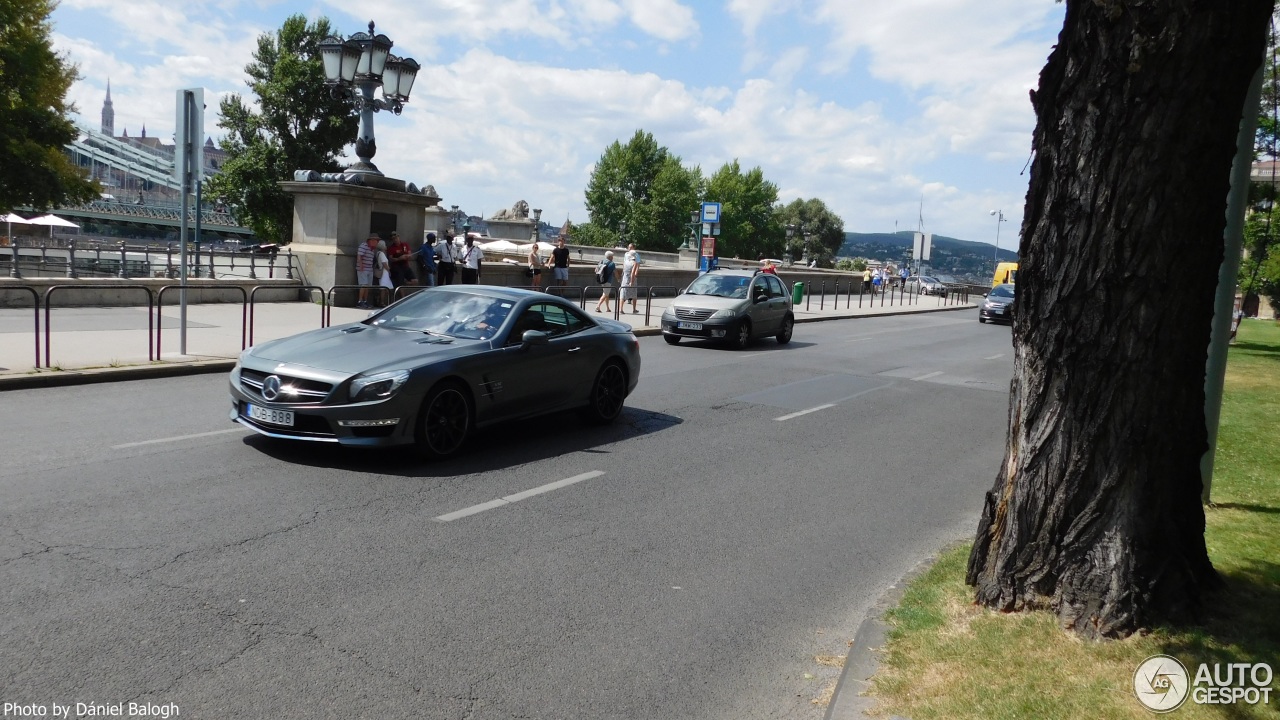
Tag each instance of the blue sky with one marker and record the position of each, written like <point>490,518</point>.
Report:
<point>876,108</point>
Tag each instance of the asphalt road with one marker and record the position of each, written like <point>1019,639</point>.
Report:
<point>712,542</point>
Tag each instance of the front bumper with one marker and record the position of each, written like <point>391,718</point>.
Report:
<point>323,423</point>
<point>996,314</point>
<point>717,329</point>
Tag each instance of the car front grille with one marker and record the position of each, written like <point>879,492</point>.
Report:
<point>293,391</point>
<point>693,314</point>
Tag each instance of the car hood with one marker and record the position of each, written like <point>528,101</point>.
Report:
<point>709,302</point>
<point>999,300</point>
<point>357,348</point>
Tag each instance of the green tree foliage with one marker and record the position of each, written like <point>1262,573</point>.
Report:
<point>34,126</point>
<point>1260,270</point>
<point>297,125</point>
<point>824,228</point>
<point>643,184</point>
<point>749,227</point>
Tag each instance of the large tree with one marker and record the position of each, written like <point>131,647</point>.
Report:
<point>1096,511</point>
<point>748,225</point>
<point>824,228</point>
<point>34,123</point>
<point>645,185</point>
<point>296,125</point>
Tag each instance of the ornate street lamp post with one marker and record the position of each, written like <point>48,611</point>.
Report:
<point>353,68</point>
<point>995,259</point>
<point>805,232</point>
<point>695,222</point>
<point>791,231</point>
<point>537,226</point>
<point>622,232</point>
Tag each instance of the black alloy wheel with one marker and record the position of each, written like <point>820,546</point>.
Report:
<point>784,334</point>
<point>608,393</point>
<point>742,335</point>
<point>445,420</point>
<point>672,339</point>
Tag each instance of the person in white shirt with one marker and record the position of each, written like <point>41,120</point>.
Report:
<point>472,257</point>
<point>447,254</point>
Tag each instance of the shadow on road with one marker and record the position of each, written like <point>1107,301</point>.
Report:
<point>492,448</point>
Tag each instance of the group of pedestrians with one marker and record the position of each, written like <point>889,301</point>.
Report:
<point>875,281</point>
<point>444,263</point>
<point>607,271</point>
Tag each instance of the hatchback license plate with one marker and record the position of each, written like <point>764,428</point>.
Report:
<point>689,326</point>
<point>269,416</point>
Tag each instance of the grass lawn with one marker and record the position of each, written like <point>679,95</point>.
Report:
<point>946,658</point>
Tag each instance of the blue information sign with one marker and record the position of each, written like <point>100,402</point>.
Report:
<point>710,212</point>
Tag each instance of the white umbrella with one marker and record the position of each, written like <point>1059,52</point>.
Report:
<point>52,221</point>
<point>11,219</point>
<point>500,246</point>
<point>542,245</point>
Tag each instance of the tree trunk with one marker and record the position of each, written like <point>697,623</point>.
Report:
<point>1096,512</point>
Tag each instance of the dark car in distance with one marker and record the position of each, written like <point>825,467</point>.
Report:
<point>434,366</point>
<point>998,305</point>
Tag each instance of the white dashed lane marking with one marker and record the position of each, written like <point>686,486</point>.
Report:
<point>805,412</point>
<point>511,499</point>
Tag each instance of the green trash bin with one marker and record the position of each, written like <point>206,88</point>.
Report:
<point>797,293</point>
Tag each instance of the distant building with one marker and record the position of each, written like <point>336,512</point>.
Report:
<point>131,176</point>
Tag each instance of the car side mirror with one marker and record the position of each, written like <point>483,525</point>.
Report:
<point>759,298</point>
<point>534,337</point>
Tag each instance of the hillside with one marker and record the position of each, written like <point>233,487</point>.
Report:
<point>949,255</point>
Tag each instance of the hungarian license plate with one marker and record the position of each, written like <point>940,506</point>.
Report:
<point>269,416</point>
<point>689,326</point>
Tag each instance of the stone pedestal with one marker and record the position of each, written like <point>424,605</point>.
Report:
<point>518,230</point>
<point>330,220</point>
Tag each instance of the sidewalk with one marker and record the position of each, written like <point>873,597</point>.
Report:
<point>98,344</point>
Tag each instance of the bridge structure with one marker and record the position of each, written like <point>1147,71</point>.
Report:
<point>149,171</point>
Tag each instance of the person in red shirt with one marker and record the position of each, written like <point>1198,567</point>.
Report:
<point>401,257</point>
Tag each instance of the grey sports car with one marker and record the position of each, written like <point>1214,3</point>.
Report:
<point>433,366</point>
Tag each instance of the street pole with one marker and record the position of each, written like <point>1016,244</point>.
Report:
<point>185,150</point>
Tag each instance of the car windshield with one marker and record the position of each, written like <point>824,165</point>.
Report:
<point>928,279</point>
<point>1003,291</point>
<point>454,314</point>
<point>730,286</point>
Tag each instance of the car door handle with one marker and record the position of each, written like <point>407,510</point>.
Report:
<point>574,349</point>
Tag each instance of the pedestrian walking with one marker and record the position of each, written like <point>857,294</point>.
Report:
<point>866,280</point>
<point>877,279</point>
<point>604,275</point>
<point>630,270</point>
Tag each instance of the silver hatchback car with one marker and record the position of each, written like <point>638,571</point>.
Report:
<point>731,305</point>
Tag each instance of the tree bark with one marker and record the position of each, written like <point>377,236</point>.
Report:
<point>1096,512</point>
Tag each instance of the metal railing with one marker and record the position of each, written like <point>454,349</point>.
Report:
<point>324,305</point>
<point>244,303</point>
<point>48,328</point>
<point>35,307</point>
<point>103,259</point>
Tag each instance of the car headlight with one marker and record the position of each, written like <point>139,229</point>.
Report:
<point>724,314</point>
<point>379,386</point>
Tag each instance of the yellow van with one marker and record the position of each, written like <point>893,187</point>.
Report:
<point>1006,272</point>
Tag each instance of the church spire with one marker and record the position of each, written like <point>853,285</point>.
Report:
<point>108,114</point>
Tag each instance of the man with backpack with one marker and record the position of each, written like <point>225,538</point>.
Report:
<point>604,276</point>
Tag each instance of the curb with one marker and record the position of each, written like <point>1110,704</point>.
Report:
<point>848,702</point>
<point>60,378</point>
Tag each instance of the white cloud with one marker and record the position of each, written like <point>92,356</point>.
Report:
<point>518,98</point>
